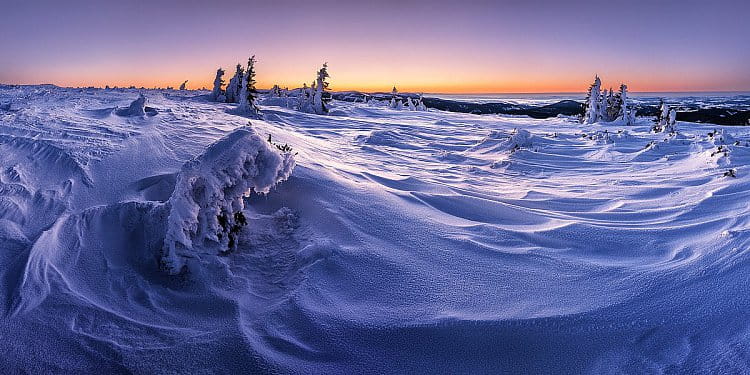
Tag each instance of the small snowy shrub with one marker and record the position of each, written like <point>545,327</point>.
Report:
<point>286,220</point>
<point>283,148</point>
<point>205,209</point>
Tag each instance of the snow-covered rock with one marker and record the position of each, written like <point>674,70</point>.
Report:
<point>136,108</point>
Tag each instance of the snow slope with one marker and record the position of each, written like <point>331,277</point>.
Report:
<point>409,242</point>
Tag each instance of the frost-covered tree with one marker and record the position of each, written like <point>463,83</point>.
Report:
<point>311,97</point>
<point>592,105</point>
<point>205,210</point>
<point>663,117</point>
<point>614,105</point>
<point>410,104</point>
<point>248,95</point>
<point>602,115</point>
<point>394,96</point>
<point>321,85</point>
<point>666,120</point>
<point>305,99</point>
<point>671,126</point>
<point>218,82</point>
<point>235,85</point>
<point>420,103</point>
<point>183,86</point>
<point>275,91</point>
<point>627,116</point>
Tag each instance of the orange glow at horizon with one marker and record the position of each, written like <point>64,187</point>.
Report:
<point>417,46</point>
<point>357,77</point>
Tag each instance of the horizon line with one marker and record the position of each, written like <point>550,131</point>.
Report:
<point>407,92</point>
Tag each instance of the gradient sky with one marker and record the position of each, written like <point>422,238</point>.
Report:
<point>432,46</point>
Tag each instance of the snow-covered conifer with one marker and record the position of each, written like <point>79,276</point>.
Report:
<point>394,98</point>
<point>666,119</point>
<point>218,82</point>
<point>420,103</point>
<point>183,86</point>
<point>614,105</point>
<point>275,91</point>
<point>592,105</point>
<point>248,95</point>
<point>671,126</point>
<point>624,114</point>
<point>235,85</point>
<point>305,99</point>
<point>664,115</point>
<point>411,105</point>
<point>319,101</point>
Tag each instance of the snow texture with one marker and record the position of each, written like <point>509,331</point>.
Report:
<point>402,241</point>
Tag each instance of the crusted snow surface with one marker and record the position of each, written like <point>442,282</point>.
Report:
<point>402,241</point>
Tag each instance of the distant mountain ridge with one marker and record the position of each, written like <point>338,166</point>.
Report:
<point>690,113</point>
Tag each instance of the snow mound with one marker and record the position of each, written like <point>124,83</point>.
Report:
<point>136,108</point>
<point>103,254</point>
<point>498,141</point>
<point>206,206</point>
<point>444,123</point>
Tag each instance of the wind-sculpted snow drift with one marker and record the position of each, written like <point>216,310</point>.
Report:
<point>206,206</point>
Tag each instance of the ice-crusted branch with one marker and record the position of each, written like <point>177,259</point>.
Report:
<point>206,205</point>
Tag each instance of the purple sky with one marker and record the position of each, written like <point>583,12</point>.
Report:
<point>433,46</point>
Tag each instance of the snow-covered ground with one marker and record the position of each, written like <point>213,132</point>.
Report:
<point>408,242</point>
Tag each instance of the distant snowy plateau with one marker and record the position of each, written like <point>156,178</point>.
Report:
<point>175,238</point>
